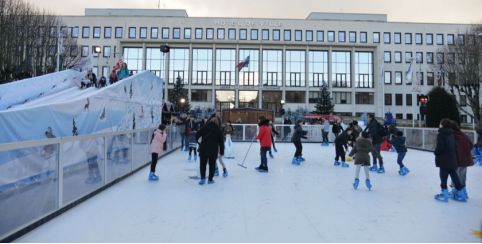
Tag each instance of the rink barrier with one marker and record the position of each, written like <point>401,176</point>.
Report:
<point>56,177</point>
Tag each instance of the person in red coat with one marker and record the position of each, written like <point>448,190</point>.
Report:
<point>264,137</point>
<point>464,155</point>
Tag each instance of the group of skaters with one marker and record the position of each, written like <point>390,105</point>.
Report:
<point>453,152</point>
<point>90,79</point>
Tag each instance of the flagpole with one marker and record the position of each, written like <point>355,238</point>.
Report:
<point>58,43</point>
<point>383,91</point>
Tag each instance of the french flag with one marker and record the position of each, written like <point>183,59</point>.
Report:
<point>243,64</point>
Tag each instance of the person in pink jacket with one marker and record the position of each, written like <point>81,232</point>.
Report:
<point>157,142</point>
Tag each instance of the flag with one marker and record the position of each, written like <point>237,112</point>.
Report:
<point>408,78</point>
<point>119,64</point>
<point>381,74</point>
<point>243,64</point>
<point>85,63</point>
<point>416,84</point>
<point>440,74</point>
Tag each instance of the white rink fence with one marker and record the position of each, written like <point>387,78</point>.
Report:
<point>41,177</point>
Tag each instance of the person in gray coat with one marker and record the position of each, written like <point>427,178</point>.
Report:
<point>362,147</point>
<point>377,139</point>
<point>326,130</point>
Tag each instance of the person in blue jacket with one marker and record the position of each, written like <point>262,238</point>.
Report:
<point>123,72</point>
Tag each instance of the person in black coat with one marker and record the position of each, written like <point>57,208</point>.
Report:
<point>340,142</point>
<point>446,159</point>
<point>212,145</point>
<point>377,140</point>
<point>92,78</point>
<point>217,115</point>
<point>392,131</point>
<point>286,129</point>
<point>191,125</point>
<point>337,128</point>
<point>203,121</point>
<point>296,139</point>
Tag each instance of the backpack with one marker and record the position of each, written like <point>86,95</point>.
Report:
<point>382,131</point>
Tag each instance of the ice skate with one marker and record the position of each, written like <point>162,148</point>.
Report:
<point>186,149</point>
<point>182,148</point>
<point>153,177</point>
<point>216,172</point>
<point>337,163</point>
<point>465,191</point>
<point>275,150</point>
<point>202,181</point>
<point>225,173</point>
<point>367,182</point>
<point>211,182</point>
<point>294,160</point>
<point>195,158</point>
<point>404,171</point>
<point>271,155</point>
<point>459,195</point>
<point>91,179</point>
<point>262,169</point>
<point>444,196</point>
<point>301,159</point>
<point>373,168</point>
<point>189,158</point>
<point>381,169</point>
<point>344,165</point>
<point>355,185</point>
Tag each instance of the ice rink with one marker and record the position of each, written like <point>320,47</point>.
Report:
<point>314,202</point>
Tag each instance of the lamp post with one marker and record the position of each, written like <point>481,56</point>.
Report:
<point>97,50</point>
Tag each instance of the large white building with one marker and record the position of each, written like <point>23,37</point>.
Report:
<point>289,58</point>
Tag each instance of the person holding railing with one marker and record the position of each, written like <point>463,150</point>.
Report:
<point>464,155</point>
<point>157,142</point>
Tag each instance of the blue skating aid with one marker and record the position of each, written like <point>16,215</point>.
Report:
<point>355,185</point>
<point>153,177</point>
<point>211,182</point>
<point>225,174</point>
<point>216,172</point>
<point>367,182</point>
<point>275,150</point>
<point>337,163</point>
<point>381,169</point>
<point>271,155</point>
<point>202,182</point>
<point>344,165</point>
<point>373,168</point>
<point>189,158</point>
<point>195,158</point>
<point>444,196</point>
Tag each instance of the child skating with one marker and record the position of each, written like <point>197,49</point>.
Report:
<point>264,137</point>
<point>340,142</point>
<point>296,139</point>
<point>362,147</point>
<point>157,142</point>
<point>192,145</point>
<point>399,143</point>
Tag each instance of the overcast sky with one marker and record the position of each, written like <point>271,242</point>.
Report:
<point>432,11</point>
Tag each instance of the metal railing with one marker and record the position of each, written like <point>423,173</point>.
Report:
<point>40,177</point>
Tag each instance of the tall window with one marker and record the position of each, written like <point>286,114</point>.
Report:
<point>430,57</point>
<point>320,36</point>
<point>132,32</point>
<point>387,77</point>
<point>179,65</point>
<point>176,33</point>
<point>225,99</point>
<point>187,33</point>
<point>313,96</point>
<point>418,38</point>
<point>430,80</point>
<point>450,39</point>
<point>249,76</point>
<point>331,36</point>
<point>342,97</point>
<point>85,51</point>
<point>272,67</point>
<point>106,52</point>
<point>118,32</point>
<point>248,99</point>
<point>397,38</point>
<point>143,32</point>
<point>429,38</point>
<point>376,37</point>
<point>399,99</point>
<point>133,58</point>
<point>209,33</point>
<point>341,36</point>
<point>408,38</point>
<point>225,66</point>
<point>295,96</point>
<point>199,33</point>
<point>309,35</point>
<point>398,77</point>
<point>243,34</point>
<point>363,37</point>
<point>318,68</point>
<point>386,37</point>
<point>461,39</point>
<point>254,34</point>
<point>352,36</point>
<point>298,35</point>
<point>265,34</point>
<point>419,57</point>
<point>198,95</point>
<point>409,99</point>
<point>202,66</point>
<point>341,69</point>
<point>440,58</point>
<point>388,57</point>
<point>276,35</point>
<point>220,33</point>
<point>155,61</point>
<point>398,57</point>
<point>85,32</point>
<point>295,68</point>
<point>107,32</point>
<point>154,33</point>
<point>75,32</point>
<point>440,39</point>
<point>388,99</point>
<point>287,35</point>
<point>232,34</point>
<point>364,69</point>
<point>364,97</point>
<point>408,57</point>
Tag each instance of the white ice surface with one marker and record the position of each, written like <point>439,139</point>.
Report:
<point>314,202</point>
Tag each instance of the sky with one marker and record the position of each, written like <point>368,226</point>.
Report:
<point>426,11</point>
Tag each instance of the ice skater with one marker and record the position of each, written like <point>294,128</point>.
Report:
<point>157,142</point>
<point>340,142</point>
<point>264,137</point>
<point>464,157</point>
<point>273,133</point>
<point>296,139</point>
<point>399,143</point>
<point>362,147</point>
<point>212,146</point>
<point>325,131</point>
<point>192,145</point>
<point>446,159</point>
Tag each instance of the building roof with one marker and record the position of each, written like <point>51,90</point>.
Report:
<point>136,12</point>
<point>347,16</point>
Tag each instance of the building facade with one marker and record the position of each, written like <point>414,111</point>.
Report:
<point>290,59</point>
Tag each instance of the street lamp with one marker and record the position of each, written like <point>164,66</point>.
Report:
<point>282,102</point>
<point>183,100</point>
<point>97,50</point>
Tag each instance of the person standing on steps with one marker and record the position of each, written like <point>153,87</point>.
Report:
<point>362,147</point>
<point>340,142</point>
<point>464,155</point>
<point>296,139</point>
<point>264,137</point>
<point>212,146</point>
<point>157,141</point>
<point>373,129</point>
<point>286,129</point>
<point>446,159</point>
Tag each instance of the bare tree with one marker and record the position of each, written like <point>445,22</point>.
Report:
<point>28,41</point>
<point>461,63</point>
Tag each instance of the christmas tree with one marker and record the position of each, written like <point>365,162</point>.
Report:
<point>324,104</point>
<point>389,119</point>
<point>177,93</point>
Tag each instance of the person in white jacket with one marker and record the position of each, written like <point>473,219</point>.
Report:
<point>326,130</point>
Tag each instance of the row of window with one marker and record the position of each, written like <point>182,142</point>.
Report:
<point>276,35</point>
<point>399,78</point>
<point>408,100</point>
<point>387,57</point>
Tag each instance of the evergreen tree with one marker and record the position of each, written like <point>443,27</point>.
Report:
<point>441,105</point>
<point>178,93</point>
<point>324,104</point>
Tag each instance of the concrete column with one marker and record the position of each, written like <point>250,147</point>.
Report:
<point>283,72</point>
<point>307,78</point>
<point>213,79</point>
<point>236,77</point>
<point>260,76</point>
<point>352,78</point>
<point>189,81</point>
<point>144,56</point>
<point>165,58</point>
